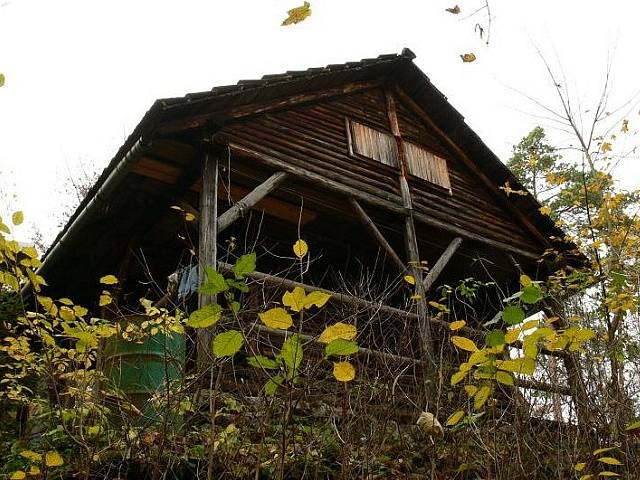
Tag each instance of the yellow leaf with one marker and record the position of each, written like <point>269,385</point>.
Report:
<point>455,10</point>
<point>53,459</point>
<point>66,314</point>
<point>580,466</point>
<point>17,218</point>
<point>276,318</point>
<point>458,377</point>
<point>109,280</point>
<point>545,210</point>
<point>189,217</point>
<point>624,128</point>
<point>2,79</point>
<point>468,57</point>
<point>471,390</point>
<point>605,147</point>
<point>525,280</point>
<point>31,455</point>
<point>464,343</point>
<point>504,378</point>
<point>608,474</point>
<point>479,356</point>
<point>586,477</point>
<point>338,330</point>
<point>457,325</point>
<point>455,418</point>
<point>294,299</point>
<point>298,14</point>
<point>34,471</point>
<point>512,335</point>
<point>602,450</point>
<point>18,475</point>
<point>300,248</point>
<point>105,299</point>
<point>316,298</point>
<point>610,461</point>
<point>524,365</point>
<point>529,324</point>
<point>481,397</point>
<point>344,371</point>
<point>410,279</point>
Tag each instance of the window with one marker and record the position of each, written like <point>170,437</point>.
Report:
<point>372,143</point>
<point>426,165</point>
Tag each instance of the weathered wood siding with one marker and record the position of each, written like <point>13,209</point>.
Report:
<point>316,138</point>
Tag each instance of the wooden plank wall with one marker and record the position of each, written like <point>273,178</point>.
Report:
<point>315,137</point>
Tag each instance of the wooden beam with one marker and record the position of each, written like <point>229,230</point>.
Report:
<point>437,269</point>
<point>253,197</point>
<point>386,204</point>
<point>231,113</point>
<point>375,233</point>
<point>207,249</point>
<point>373,306</point>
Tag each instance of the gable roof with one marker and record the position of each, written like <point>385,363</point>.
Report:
<point>198,110</point>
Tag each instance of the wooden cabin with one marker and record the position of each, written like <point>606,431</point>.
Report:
<point>366,161</point>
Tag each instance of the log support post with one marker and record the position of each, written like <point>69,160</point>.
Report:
<point>411,246</point>
<point>375,233</point>
<point>208,248</point>
<point>250,200</point>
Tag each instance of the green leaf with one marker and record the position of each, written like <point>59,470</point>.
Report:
<point>272,384</point>
<point>215,281</point>
<point>495,338</point>
<point>266,363</point>
<point>504,378</point>
<point>292,353</point>
<point>531,294</point>
<point>633,426</point>
<point>227,344</point>
<point>245,265</point>
<point>513,315</point>
<point>205,316</point>
<point>341,347</point>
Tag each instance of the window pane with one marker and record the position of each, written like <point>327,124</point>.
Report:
<point>374,144</point>
<point>426,165</point>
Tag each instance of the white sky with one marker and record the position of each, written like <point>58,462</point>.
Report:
<point>81,73</point>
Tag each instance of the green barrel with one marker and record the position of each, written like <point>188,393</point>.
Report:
<point>141,370</point>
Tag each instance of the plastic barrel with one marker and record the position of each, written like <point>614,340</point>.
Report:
<point>140,370</point>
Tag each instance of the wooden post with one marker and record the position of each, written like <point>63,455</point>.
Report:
<point>375,233</point>
<point>411,246</point>
<point>436,270</point>
<point>208,249</point>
